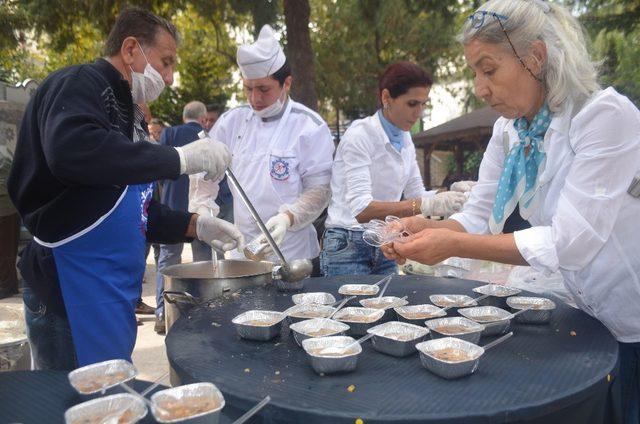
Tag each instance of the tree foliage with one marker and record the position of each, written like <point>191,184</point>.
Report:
<point>205,73</point>
<point>614,26</point>
<point>352,42</point>
<point>355,40</point>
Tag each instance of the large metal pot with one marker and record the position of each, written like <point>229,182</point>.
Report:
<point>189,284</point>
<point>15,354</point>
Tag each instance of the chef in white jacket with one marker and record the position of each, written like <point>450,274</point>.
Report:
<point>282,154</point>
<point>567,154</point>
<point>375,166</point>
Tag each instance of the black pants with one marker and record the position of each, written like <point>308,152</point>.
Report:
<point>10,230</point>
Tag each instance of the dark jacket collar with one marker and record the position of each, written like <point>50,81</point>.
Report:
<point>194,125</point>
<point>121,88</point>
<point>113,76</point>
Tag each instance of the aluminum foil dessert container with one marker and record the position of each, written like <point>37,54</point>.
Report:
<point>452,301</point>
<point>360,291</point>
<point>259,325</point>
<point>359,319</point>
<point>458,327</point>
<point>497,294</point>
<point>496,321</point>
<point>99,377</point>
<point>198,403</point>
<point>317,327</point>
<point>319,298</point>
<point>306,311</point>
<point>121,408</point>
<point>386,303</point>
<point>397,338</point>
<point>344,362</point>
<point>417,314</point>
<point>449,357</point>
<point>540,312</point>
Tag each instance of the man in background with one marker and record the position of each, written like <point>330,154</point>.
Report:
<point>156,127</point>
<point>175,194</point>
<point>213,113</point>
<point>224,199</point>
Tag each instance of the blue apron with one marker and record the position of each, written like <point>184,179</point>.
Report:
<point>100,274</point>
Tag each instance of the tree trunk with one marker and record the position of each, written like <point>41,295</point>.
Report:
<point>263,13</point>
<point>299,52</point>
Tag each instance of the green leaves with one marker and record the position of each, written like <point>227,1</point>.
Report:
<point>352,40</point>
<point>355,40</point>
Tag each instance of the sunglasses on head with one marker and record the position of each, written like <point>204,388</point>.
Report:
<point>477,21</point>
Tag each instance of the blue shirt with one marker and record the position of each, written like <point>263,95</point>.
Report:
<point>395,134</point>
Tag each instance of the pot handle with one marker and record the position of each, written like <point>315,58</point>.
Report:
<point>170,297</point>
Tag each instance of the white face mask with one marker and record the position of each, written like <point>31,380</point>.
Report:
<point>147,86</point>
<point>272,110</point>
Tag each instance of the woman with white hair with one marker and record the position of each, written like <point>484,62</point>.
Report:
<point>566,153</point>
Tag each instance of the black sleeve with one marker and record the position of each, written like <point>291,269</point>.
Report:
<point>82,148</point>
<point>165,225</point>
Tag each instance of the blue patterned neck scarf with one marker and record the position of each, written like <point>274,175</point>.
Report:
<point>519,180</point>
<point>395,134</point>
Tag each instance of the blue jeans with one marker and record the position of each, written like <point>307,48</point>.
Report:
<point>345,253</point>
<point>49,335</point>
<point>201,251</point>
<point>170,254</point>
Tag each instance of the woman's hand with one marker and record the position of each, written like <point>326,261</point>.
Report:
<point>429,246</point>
<point>389,252</point>
<point>415,224</point>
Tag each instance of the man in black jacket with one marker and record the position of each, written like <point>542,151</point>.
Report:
<point>82,182</point>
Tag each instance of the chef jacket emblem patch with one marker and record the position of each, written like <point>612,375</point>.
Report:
<point>279,169</point>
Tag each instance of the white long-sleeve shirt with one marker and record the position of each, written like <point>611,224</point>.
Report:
<point>366,168</point>
<point>586,225</point>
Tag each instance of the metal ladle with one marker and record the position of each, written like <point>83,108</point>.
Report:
<point>290,272</point>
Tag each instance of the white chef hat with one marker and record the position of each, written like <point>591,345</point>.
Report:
<point>262,58</point>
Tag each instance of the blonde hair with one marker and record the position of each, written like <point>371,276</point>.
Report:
<point>569,72</point>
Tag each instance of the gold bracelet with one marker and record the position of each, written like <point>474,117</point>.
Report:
<point>413,207</point>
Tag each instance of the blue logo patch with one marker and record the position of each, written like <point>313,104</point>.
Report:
<point>146,195</point>
<point>279,169</point>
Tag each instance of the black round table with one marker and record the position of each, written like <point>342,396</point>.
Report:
<point>42,397</point>
<point>559,372</point>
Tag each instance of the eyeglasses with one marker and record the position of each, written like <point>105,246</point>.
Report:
<point>477,21</point>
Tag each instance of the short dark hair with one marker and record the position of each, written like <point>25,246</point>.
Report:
<point>401,76</point>
<point>215,107</point>
<point>281,74</point>
<point>157,121</point>
<point>138,23</point>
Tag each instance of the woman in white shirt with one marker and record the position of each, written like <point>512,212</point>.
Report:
<point>565,152</point>
<point>375,165</point>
